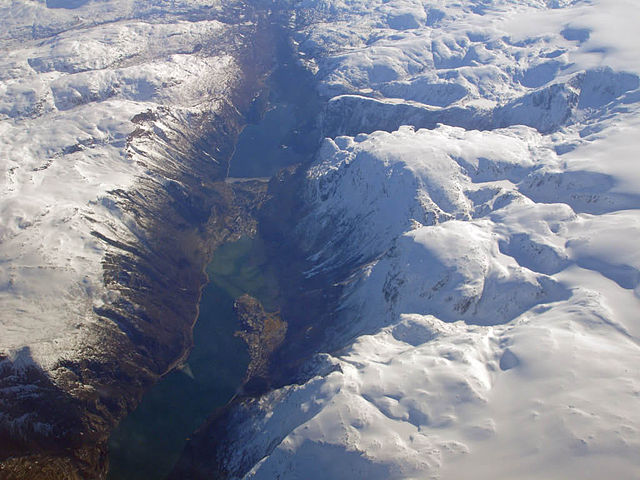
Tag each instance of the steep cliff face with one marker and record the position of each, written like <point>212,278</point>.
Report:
<point>118,120</point>
<point>467,273</point>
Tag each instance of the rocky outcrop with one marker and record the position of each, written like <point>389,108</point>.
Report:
<point>263,332</point>
<point>482,269</point>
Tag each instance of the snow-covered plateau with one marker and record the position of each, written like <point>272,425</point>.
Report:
<point>478,200</point>
<point>117,122</point>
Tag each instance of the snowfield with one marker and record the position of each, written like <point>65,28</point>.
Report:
<point>66,104</point>
<point>489,327</point>
<point>116,120</point>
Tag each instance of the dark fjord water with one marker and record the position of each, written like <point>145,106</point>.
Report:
<point>147,444</point>
<point>270,146</point>
<point>287,133</point>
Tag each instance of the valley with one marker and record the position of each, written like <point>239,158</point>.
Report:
<point>319,239</point>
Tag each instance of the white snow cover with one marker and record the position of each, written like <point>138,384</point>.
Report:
<point>492,329</point>
<point>71,79</point>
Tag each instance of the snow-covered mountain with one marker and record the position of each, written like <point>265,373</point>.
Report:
<point>468,232</point>
<point>479,187</point>
<point>117,119</point>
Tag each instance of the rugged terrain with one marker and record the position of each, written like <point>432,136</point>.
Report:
<point>458,268</point>
<point>468,231</point>
<point>117,123</point>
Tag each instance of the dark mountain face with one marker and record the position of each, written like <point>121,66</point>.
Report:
<point>180,210</point>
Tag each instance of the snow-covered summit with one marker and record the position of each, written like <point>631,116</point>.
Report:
<point>66,104</point>
<point>478,184</point>
<point>473,64</point>
<point>488,327</point>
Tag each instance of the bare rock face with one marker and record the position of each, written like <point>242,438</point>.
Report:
<point>469,226</point>
<point>458,266</point>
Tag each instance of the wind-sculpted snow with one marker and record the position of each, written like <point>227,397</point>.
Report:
<point>479,186</point>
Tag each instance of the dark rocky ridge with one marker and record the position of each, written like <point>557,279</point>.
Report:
<point>182,211</point>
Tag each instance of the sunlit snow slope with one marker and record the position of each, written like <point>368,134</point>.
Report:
<point>490,325</point>
<point>116,119</point>
<point>66,104</point>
